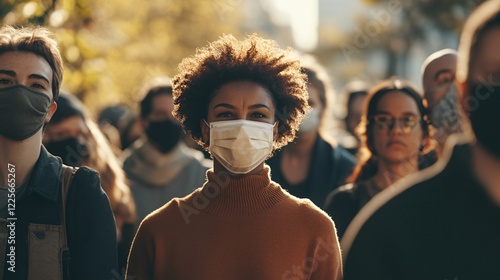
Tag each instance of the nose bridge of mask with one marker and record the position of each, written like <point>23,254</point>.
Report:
<point>240,128</point>
<point>19,93</point>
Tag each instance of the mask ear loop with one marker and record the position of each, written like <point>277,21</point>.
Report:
<point>277,133</point>
<point>208,125</point>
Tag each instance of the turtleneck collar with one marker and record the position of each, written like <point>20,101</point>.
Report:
<point>148,165</point>
<point>244,195</point>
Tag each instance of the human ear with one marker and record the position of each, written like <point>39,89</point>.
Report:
<point>205,132</point>
<point>50,113</point>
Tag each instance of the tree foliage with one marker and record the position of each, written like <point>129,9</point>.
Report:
<point>112,47</point>
<point>416,18</point>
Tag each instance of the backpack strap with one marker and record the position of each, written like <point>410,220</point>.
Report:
<point>68,172</point>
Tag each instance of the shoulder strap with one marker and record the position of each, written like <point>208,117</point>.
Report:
<point>68,172</point>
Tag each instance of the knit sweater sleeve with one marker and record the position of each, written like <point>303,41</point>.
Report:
<point>141,257</point>
<point>327,256</point>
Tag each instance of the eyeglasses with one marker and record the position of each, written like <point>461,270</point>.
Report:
<point>387,122</point>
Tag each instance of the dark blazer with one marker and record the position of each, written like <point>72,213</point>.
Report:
<point>330,167</point>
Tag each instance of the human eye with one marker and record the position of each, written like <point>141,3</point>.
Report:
<point>409,121</point>
<point>5,82</point>
<point>224,114</point>
<point>383,121</point>
<point>258,115</point>
<point>445,78</point>
<point>38,85</point>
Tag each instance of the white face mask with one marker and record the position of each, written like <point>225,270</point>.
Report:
<point>240,145</point>
<point>310,122</point>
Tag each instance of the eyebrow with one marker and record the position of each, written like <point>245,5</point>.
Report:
<point>387,113</point>
<point>8,72</point>
<point>442,71</point>
<point>224,105</point>
<point>254,106</point>
<point>13,74</point>
<point>40,77</point>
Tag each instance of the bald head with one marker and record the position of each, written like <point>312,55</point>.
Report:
<point>438,70</point>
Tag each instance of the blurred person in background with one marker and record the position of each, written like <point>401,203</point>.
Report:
<point>444,222</point>
<point>313,164</point>
<point>241,100</point>
<point>395,133</point>
<point>123,119</point>
<point>160,166</point>
<point>442,95</point>
<point>61,230</point>
<point>77,140</point>
<point>355,93</point>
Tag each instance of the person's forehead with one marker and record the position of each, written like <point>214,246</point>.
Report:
<point>487,54</point>
<point>162,100</point>
<point>244,92</point>
<point>358,102</point>
<point>313,92</point>
<point>27,65</point>
<point>397,102</point>
<point>26,61</point>
<point>447,61</point>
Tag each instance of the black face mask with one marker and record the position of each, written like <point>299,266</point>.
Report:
<point>164,134</point>
<point>70,150</point>
<point>483,105</point>
<point>25,110</point>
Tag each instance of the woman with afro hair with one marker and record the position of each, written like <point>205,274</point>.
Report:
<point>240,100</point>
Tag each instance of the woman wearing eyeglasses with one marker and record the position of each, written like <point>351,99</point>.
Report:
<point>240,100</point>
<point>395,134</point>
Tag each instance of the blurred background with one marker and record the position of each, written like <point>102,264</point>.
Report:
<point>112,47</point>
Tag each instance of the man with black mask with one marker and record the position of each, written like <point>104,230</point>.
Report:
<point>444,223</point>
<point>160,166</point>
<point>65,134</point>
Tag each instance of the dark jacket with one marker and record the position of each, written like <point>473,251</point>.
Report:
<point>438,224</point>
<point>329,169</point>
<point>90,226</point>
<point>345,202</point>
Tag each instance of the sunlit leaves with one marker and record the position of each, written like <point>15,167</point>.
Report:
<point>111,47</point>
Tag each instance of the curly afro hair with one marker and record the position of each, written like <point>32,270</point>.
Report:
<point>228,60</point>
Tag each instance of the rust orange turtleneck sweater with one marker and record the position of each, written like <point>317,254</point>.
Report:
<point>236,228</point>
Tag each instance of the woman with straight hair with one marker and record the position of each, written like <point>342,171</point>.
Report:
<point>396,134</point>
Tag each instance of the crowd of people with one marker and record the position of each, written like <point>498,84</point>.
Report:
<point>229,170</point>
